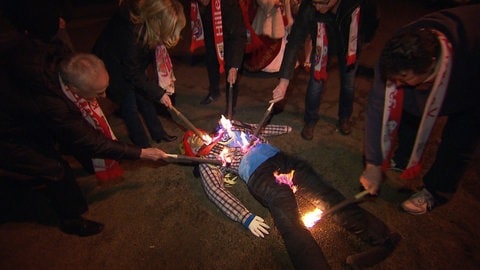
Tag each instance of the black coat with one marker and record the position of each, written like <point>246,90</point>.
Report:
<point>126,60</point>
<point>35,113</point>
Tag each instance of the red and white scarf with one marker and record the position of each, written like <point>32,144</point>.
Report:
<point>321,53</point>
<point>393,111</point>
<point>197,34</point>
<point>105,169</point>
<point>353,37</point>
<point>198,38</point>
<point>321,48</point>
<point>166,78</point>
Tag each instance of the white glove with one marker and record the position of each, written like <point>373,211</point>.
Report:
<point>258,227</point>
<point>371,178</point>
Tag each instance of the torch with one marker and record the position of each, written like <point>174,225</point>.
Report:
<point>183,158</point>
<point>344,203</point>
<point>264,120</point>
<point>188,123</point>
<point>230,102</point>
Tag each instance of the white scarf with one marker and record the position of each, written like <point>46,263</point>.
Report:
<point>393,107</point>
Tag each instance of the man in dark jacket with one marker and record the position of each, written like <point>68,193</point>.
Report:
<point>429,68</point>
<point>232,29</point>
<point>37,119</point>
<point>338,27</point>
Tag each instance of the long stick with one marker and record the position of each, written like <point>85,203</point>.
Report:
<point>264,120</point>
<point>344,203</point>
<point>230,102</point>
<point>187,122</point>
<point>183,158</point>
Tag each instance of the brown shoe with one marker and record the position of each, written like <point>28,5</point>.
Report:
<point>345,126</point>
<point>307,131</point>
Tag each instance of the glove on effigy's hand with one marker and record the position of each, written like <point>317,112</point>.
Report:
<point>258,227</point>
<point>371,178</point>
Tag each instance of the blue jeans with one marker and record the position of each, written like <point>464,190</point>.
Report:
<point>302,248</point>
<point>315,92</point>
<point>132,106</point>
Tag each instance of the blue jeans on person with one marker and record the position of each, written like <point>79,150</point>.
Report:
<point>132,106</point>
<point>346,97</point>
<point>304,251</point>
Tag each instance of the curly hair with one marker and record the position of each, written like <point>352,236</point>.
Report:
<point>413,49</point>
<point>157,21</point>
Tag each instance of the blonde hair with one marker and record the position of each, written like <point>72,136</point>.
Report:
<point>157,21</point>
<point>80,69</point>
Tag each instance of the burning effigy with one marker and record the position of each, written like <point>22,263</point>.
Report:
<point>275,179</point>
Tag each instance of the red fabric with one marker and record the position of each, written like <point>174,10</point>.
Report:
<point>395,116</point>
<point>253,40</point>
<point>321,53</point>
<point>197,28</point>
<point>218,34</point>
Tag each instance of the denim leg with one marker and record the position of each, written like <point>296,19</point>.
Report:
<point>312,99</point>
<point>302,248</point>
<point>129,113</point>
<point>347,91</point>
<point>149,113</point>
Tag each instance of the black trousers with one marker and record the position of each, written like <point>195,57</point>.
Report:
<point>459,139</point>
<point>26,163</point>
<point>304,251</point>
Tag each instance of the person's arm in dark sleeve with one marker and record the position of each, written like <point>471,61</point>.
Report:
<point>373,121</point>
<point>296,39</point>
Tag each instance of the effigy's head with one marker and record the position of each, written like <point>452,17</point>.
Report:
<point>194,145</point>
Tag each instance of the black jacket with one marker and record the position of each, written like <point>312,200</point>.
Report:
<point>126,60</point>
<point>338,30</point>
<point>34,112</point>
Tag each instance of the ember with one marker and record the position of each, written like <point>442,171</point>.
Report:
<point>310,218</point>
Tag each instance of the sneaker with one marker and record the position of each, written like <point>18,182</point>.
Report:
<point>419,203</point>
<point>307,131</point>
<point>345,126</point>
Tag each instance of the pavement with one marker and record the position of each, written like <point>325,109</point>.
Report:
<point>158,217</point>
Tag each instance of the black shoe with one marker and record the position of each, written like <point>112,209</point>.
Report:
<point>345,126</point>
<point>375,254</point>
<point>166,138</point>
<point>209,99</point>
<point>81,227</point>
<point>307,131</point>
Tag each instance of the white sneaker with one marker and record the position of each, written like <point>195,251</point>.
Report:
<point>419,203</point>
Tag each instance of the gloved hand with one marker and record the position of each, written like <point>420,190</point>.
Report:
<point>371,178</point>
<point>258,226</point>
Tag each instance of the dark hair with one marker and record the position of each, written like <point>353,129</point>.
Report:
<point>414,50</point>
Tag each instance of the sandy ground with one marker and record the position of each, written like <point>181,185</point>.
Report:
<point>158,217</point>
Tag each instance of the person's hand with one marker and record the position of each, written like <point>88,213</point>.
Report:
<point>280,90</point>
<point>258,227</point>
<point>165,100</point>
<point>153,153</point>
<point>371,178</point>
<point>232,75</point>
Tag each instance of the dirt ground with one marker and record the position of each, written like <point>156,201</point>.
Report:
<point>158,217</point>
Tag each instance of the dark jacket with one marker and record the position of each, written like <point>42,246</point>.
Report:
<point>126,60</point>
<point>460,26</point>
<point>34,112</point>
<point>234,32</point>
<point>338,30</point>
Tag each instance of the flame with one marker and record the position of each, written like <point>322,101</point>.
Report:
<point>285,178</point>
<point>206,139</point>
<point>225,156</point>
<point>310,218</point>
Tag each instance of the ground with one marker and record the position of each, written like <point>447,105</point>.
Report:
<point>158,217</point>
